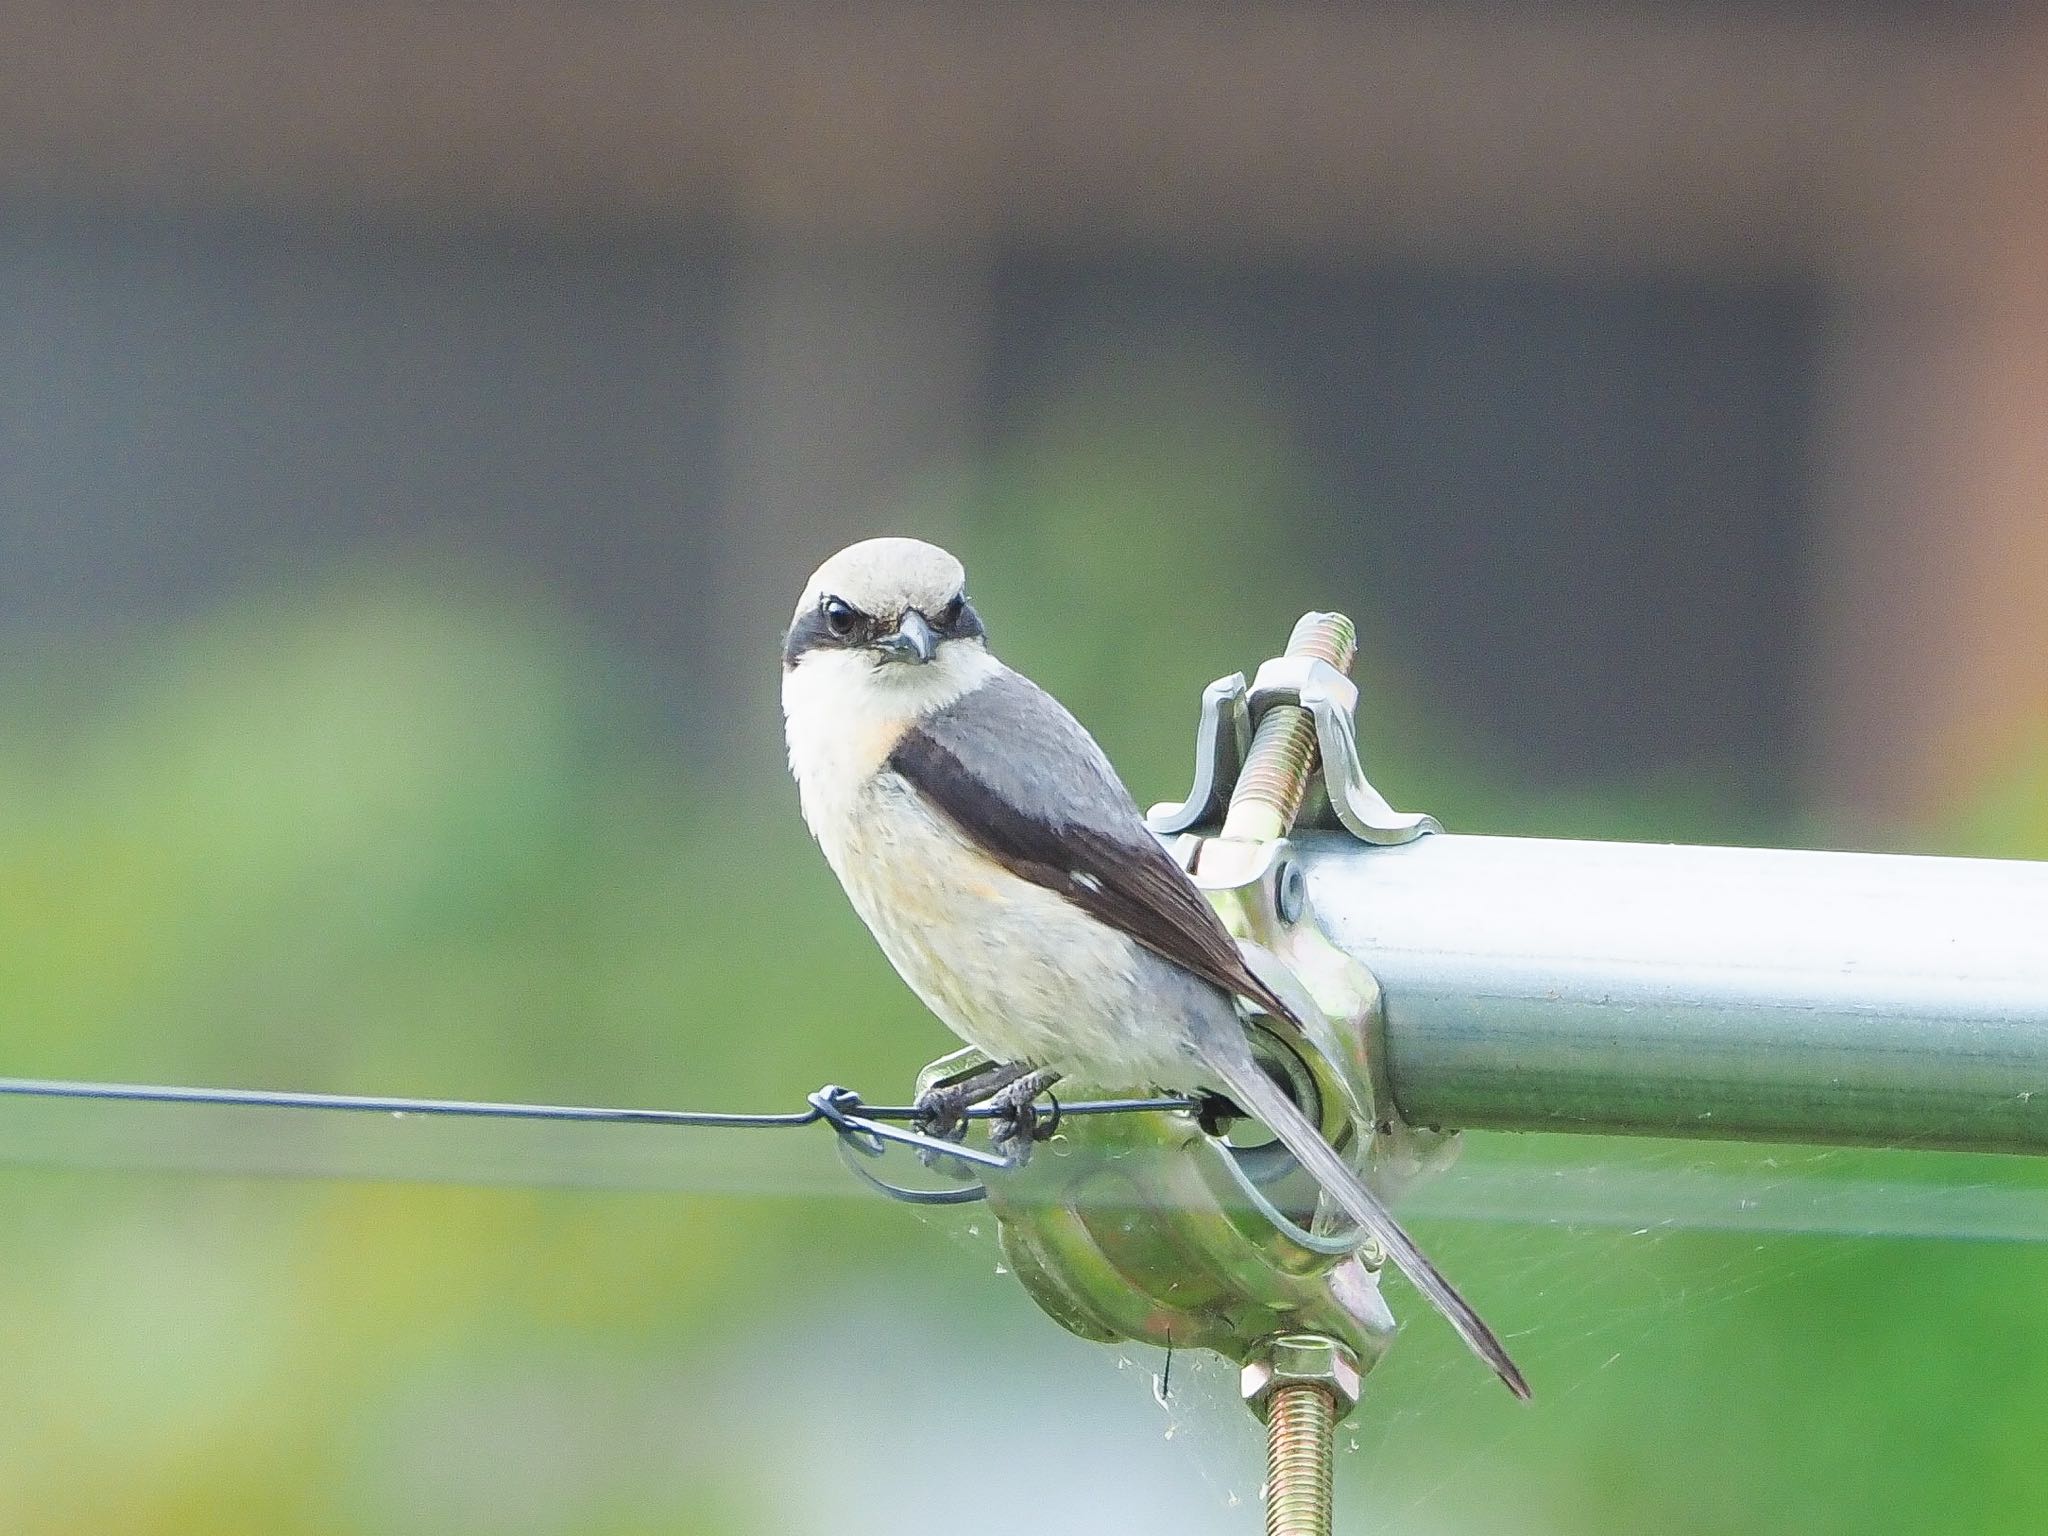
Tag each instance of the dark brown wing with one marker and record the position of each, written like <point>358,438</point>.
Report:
<point>1023,781</point>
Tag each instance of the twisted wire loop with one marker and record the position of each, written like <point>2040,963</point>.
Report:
<point>862,1131</point>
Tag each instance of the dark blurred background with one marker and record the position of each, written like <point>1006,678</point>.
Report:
<point>415,422</point>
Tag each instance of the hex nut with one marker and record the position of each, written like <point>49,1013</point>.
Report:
<point>1302,1359</point>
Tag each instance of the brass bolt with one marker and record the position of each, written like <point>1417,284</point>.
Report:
<point>1302,1383</point>
<point>1276,772</point>
<point>1301,1424</point>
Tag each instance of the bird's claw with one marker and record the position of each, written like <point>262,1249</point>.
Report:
<point>942,1115</point>
<point>942,1112</point>
<point>1015,1124</point>
<point>1012,1130</point>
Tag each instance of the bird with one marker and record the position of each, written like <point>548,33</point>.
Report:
<point>990,847</point>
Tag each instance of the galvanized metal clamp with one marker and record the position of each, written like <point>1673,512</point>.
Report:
<point>1337,793</point>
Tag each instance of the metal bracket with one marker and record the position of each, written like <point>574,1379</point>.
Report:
<point>1342,796</point>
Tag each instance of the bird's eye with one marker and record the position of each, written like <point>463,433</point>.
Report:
<point>841,617</point>
<point>950,614</point>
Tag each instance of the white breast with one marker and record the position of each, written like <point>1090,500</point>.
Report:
<point>1010,967</point>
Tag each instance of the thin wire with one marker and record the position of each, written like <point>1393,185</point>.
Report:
<point>252,1098</point>
<point>255,1098</point>
<point>862,1128</point>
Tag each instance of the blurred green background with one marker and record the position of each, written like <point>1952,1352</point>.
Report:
<point>412,433</point>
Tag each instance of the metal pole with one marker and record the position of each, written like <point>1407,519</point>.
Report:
<point>1695,991</point>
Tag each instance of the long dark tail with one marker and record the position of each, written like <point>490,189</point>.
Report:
<point>1231,1061</point>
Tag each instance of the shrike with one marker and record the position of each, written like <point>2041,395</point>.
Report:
<point>988,844</point>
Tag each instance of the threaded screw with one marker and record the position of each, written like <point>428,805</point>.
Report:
<point>1301,1425</point>
<point>1301,1384</point>
<point>1276,772</point>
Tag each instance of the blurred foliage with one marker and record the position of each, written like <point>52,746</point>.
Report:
<point>398,827</point>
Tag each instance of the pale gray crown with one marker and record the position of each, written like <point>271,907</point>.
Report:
<point>883,577</point>
<point>861,599</point>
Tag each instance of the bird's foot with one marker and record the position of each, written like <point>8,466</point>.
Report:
<point>942,1114</point>
<point>942,1110</point>
<point>1015,1124</point>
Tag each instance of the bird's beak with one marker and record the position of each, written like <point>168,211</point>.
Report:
<point>912,641</point>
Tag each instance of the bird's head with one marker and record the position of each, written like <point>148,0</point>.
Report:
<point>891,612</point>
<point>882,638</point>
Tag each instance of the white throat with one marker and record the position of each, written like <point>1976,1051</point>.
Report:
<point>843,714</point>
